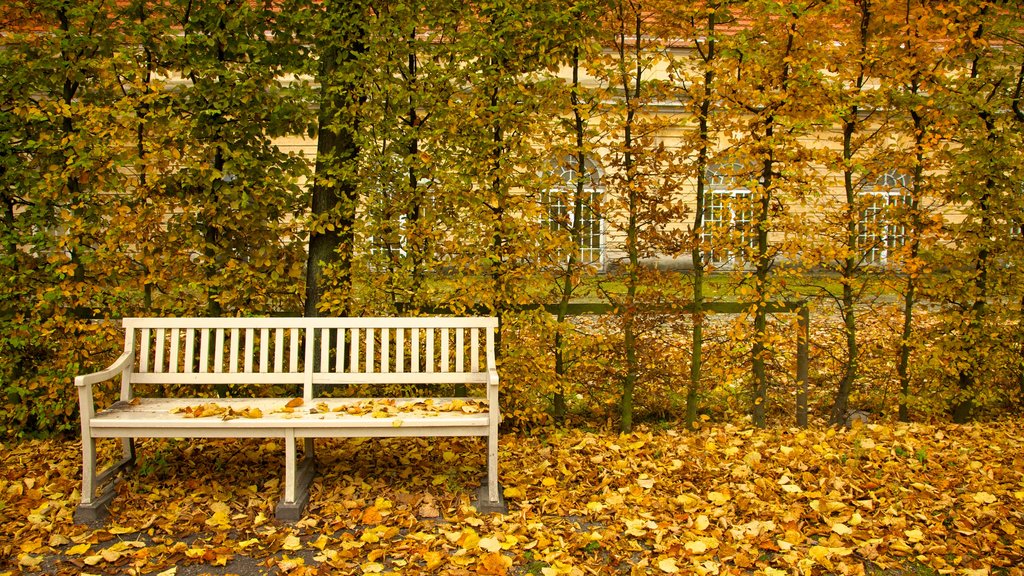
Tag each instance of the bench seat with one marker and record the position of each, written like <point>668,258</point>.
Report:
<point>166,418</point>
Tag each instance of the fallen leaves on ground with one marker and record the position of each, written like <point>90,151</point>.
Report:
<point>873,500</point>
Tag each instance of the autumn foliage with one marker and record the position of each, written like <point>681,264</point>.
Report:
<point>860,157</point>
<point>724,500</point>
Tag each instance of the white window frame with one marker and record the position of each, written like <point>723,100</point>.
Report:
<point>879,236</point>
<point>558,216</point>
<point>723,196</point>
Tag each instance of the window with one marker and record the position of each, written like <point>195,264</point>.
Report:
<point>389,218</point>
<point>727,213</point>
<point>560,209</point>
<point>879,233</point>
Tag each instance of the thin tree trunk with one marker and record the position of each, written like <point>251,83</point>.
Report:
<point>697,253</point>
<point>334,195</point>
<point>632,93</point>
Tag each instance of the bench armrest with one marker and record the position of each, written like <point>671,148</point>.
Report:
<point>106,374</point>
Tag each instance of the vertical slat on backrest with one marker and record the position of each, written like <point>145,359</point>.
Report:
<point>248,349</point>
<point>339,350</point>
<point>144,356</point>
<point>353,358</point>
<point>173,364</point>
<point>400,350</point>
<point>474,350</point>
<point>460,350</point>
<point>415,364</point>
<point>293,351</point>
<point>278,350</point>
<point>264,348</point>
<point>369,350</point>
<point>158,364</point>
<point>234,350</point>
<point>429,360</point>
<point>445,350</point>
<point>190,349</point>
<point>490,349</point>
<point>218,350</point>
<point>385,350</point>
<point>325,349</point>
<point>204,350</point>
<point>307,364</point>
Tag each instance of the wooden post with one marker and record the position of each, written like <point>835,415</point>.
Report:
<point>802,354</point>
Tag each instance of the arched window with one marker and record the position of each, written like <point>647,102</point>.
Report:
<point>560,210</point>
<point>879,232</point>
<point>727,213</point>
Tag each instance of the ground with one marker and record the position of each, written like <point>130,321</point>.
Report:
<point>877,499</point>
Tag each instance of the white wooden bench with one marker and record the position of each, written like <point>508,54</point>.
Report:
<point>306,356</point>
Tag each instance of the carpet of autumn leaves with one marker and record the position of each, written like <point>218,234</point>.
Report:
<point>877,499</point>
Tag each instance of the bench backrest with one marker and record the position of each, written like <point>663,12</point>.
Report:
<point>310,351</point>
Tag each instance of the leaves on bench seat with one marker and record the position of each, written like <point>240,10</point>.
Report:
<point>376,408</point>
<point>211,409</point>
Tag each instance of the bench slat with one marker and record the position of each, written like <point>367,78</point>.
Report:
<point>158,364</point>
<point>324,322</point>
<point>248,358</point>
<point>325,348</point>
<point>204,350</point>
<point>339,347</point>
<point>144,354</point>
<point>293,352</point>
<point>444,350</point>
<point>369,350</point>
<point>218,351</point>
<point>278,349</point>
<point>190,350</point>
<point>385,349</point>
<point>429,360</point>
<point>175,338</point>
<point>474,350</point>
<point>233,361</point>
<point>400,350</point>
<point>264,349</point>
<point>353,359</point>
<point>460,350</point>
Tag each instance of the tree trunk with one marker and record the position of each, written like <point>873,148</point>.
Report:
<point>334,197</point>
<point>697,254</point>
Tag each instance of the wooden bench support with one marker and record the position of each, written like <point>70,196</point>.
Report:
<point>93,508</point>
<point>291,511</point>
<point>484,503</point>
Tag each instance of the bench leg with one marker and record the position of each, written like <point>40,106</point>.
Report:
<point>94,507</point>
<point>297,478</point>
<point>489,497</point>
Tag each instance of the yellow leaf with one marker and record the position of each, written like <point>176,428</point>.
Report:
<point>702,522</point>
<point>717,498</point>
<point>842,529</point>
<point>513,492</point>
<point>79,549</point>
<point>433,559</point>
<point>696,547</point>
<point>914,535</point>
<point>489,544</point>
<point>294,403</point>
<point>769,571</point>
<point>372,568</point>
<point>468,539</point>
<point>292,543</point>
<point>548,481</point>
<point>668,566</point>
<point>985,498</point>
<point>496,564</point>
